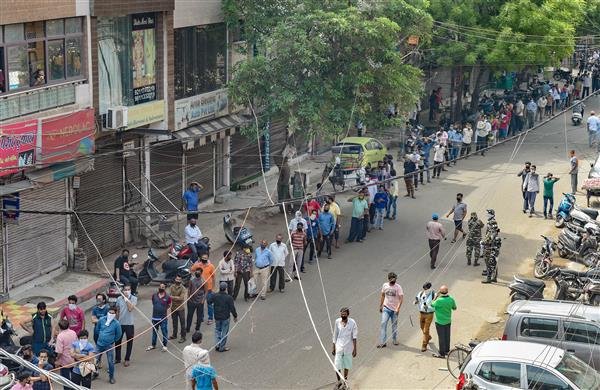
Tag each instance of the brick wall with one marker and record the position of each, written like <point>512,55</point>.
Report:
<point>19,11</point>
<point>126,7</point>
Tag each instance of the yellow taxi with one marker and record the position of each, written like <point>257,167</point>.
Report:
<point>355,152</point>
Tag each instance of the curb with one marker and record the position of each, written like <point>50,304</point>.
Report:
<point>84,295</point>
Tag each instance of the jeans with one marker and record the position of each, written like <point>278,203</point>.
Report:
<point>327,243</point>
<point>434,248</point>
<point>110,356</point>
<point>573,183</point>
<point>275,272</point>
<point>66,372</point>
<point>163,329</point>
<point>131,280</point>
<point>426,163</point>
<point>312,245</point>
<point>386,316</point>
<point>221,330</point>
<point>466,149</point>
<point>548,199</point>
<point>355,229</point>
<point>178,318</point>
<point>239,277</point>
<point>128,332</point>
<point>530,119</point>
<point>531,200</point>
<point>391,205</point>
<point>591,138</point>
<point>199,246</point>
<point>210,308</point>
<point>443,332</point>
<point>379,213</point>
<point>192,308</point>
<point>454,152</point>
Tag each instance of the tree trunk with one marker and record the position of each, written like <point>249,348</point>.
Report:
<point>460,86</point>
<point>452,91</point>
<point>476,87</point>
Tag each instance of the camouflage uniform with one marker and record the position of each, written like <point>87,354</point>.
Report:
<point>474,239</point>
<point>491,250</point>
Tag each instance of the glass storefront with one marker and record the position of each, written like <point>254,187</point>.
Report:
<point>33,54</point>
<point>200,59</point>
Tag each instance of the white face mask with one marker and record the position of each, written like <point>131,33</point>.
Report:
<point>82,343</point>
<point>127,293</point>
<point>110,316</point>
<point>72,306</point>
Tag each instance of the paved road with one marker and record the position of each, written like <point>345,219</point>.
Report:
<point>274,344</point>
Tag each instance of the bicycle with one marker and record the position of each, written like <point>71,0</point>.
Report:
<point>457,357</point>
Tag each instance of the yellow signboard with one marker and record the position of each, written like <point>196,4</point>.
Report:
<point>146,113</point>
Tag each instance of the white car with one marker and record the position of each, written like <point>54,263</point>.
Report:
<point>502,365</point>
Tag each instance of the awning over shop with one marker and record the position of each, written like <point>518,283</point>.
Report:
<point>61,171</point>
<point>209,131</point>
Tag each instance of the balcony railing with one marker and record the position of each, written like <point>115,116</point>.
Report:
<point>28,102</point>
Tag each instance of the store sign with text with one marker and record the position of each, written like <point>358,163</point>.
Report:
<point>67,137</point>
<point>17,146</point>
<point>194,109</point>
<point>146,113</point>
<point>143,57</point>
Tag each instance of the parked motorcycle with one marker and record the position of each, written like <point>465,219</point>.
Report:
<point>568,211</point>
<point>543,259</point>
<point>179,250</point>
<point>171,269</point>
<point>526,289</point>
<point>238,235</point>
<point>569,243</point>
<point>7,343</point>
<point>562,74</point>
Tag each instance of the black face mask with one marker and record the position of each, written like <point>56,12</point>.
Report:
<point>198,274</point>
<point>161,290</point>
<point>458,199</point>
<point>192,224</point>
<point>299,229</point>
<point>278,241</point>
<point>344,318</point>
<point>392,282</point>
<point>178,282</point>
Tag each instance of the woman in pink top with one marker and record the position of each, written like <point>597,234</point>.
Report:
<point>73,314</point>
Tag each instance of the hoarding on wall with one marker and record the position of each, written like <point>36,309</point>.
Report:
<point>67,137</point>
<point>209,105</point>
<point>17,146</point>
<point>145,114</point>
<point>143,57</point>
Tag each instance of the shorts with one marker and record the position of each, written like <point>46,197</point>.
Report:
<point>458,225</point>
<point>343,361</point>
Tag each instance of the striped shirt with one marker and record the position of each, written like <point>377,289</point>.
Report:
<point>298,239</point>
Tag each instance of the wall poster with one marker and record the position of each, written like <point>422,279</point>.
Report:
<point>143,57</point>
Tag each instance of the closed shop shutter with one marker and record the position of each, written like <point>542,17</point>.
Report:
<point>101,190</point>
<point>38,243</point>
<point>165,173</point>
<point>132,187</point>
<point>245,157</point>
<point>200,167</point>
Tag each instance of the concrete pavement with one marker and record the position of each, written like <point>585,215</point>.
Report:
<point>274,345</point>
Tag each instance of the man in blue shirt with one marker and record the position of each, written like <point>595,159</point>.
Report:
<point>312,234</point>
<point>190,200</point>
<point>327,226</point>
<point>204,377</point>
<point>262,266</point>
<point>381,201</point>
<point>108,332</point>
<point>531,109</point>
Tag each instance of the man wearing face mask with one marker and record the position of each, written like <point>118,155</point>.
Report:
<point>424,299</point>
<point>40,381</point>
<point>126,305</point>
<point>312,235</point>
<point>73,314</point>
<point>161,304</point>
<point>523,175</point>
<point>280,252</point>
<point>263,259</point>
<point>227,271</point>
<point>83,351</point>
<point>99,311</point>
<point>460,212</point>
<point>532,186</point>
<point>344,344</point>
<point>108,333</point>
<point>243,271</point>
<point>178,294</point>
<point>327,227</point>
<point>389,307</point>
<point>298,241</point>
<point>359,206</point>
<point>64,339</point>
<point>195,303</point>
<point>209,275</point>
<point>193,240</point>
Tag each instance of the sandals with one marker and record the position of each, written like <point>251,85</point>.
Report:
<point>150,348</point>
<point>381,345</point>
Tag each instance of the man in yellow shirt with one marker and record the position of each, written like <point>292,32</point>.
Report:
<point>334,209</point>
<point>393,196</point>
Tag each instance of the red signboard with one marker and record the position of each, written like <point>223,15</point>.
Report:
<point>17,146</point>
<point>67,137</point>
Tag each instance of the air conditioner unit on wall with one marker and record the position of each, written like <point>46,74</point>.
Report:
<point>116,118</point>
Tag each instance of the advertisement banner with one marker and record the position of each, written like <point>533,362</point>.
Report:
<point>67,137</point>
<point>143,57</point>
<point>17,146</point>
<point>145,114</point>
<point>201,107</point>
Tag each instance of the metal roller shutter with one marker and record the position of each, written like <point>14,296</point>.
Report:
<point>38,243</point>
<point>200,167</point>
<point>165,173</point>
<point>245,157</point>
<point>101,190</point>
<point>133,198</point>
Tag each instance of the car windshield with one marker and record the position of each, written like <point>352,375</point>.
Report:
<point>584,376</point>
<point>346,149</point>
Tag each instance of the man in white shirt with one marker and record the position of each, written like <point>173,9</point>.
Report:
<point>541,104</point>
<point>280,252</point>
<point>344,344</point>
<point>298,218</point>
<point>192,239</point>
<point>194,354</point>
<point>587,84</point>
<point>593,127</point>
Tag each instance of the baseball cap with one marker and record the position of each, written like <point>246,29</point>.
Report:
<point>434,216</point>
<point>222,286</point>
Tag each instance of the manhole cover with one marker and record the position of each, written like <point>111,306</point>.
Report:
<point>34,300</point>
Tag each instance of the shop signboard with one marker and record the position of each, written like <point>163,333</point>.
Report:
<point>194,109</point>
<point>143,57</point>
<point>66,137</point>
<point>144,114</point>
<point>17,146</point>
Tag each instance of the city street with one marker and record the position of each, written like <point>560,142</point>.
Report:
<point>274,345</point>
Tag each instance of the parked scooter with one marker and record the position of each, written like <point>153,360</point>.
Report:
<point>569,212</point>
<point>179,250</point>
<point>569,245</point>
<point>7,343</point>
<point>569,286</point>
<point>171,269</point>
<point>526,289</point>
<point>543,259</point>
<point>238,235</point>
<point>7,378</point>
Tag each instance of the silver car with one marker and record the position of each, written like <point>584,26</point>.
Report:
<point>572,326</point>
<point>504,365</point>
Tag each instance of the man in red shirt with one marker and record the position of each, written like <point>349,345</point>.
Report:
<point>298,238</point>
<point>73,314</point>
<point>311,205</point>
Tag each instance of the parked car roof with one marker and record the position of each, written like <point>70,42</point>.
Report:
<point>557,308</point>
<point>355,140</point>
<point>518,351</point>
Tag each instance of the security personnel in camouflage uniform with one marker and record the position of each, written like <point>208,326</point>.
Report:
<point>474,239</point>
<point>491,248</point>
